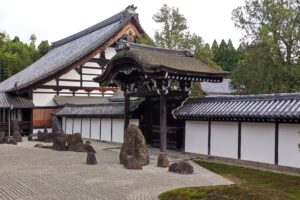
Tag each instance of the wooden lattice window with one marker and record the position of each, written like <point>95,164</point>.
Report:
<point>42,117</point>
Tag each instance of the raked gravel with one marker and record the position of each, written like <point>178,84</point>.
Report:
<point>33,173</point>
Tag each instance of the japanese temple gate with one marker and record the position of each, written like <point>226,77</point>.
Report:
<point>146,71</point>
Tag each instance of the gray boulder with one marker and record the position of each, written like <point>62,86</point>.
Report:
<point>181,167</point>
<point>132,163</point>
<point>134,145</point>
<point>59,144</point>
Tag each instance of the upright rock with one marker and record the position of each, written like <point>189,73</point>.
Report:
<point>30,137</point>
<point>163,161</point>
<point>56,125</point>
<point>45,130</point>
<point>134,145</point>
<point>2,137</point>
<point>16,131</point>
<point>91,158</point>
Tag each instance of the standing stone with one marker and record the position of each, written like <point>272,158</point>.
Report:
<point>2,137</point>
<point>40,136</point>
<point>45,130</point>
<point>163,161</point>
<point>29,137</point>
<point>16,131</point>
<point>59,143</point>
<point>56,125</point>
<point>134,145</point>
<point>132,163</point>
<point>181,167</point>
<point>91,158</point>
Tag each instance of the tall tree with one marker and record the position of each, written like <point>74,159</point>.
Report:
<point>15,55</point>
<point>174,34</point>
<point>271,53</point>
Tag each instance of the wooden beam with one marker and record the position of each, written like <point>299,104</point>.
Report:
<point>126,112</point>
<point>276,142</point>
<point>239,140</point>
<point>209,138</point>
<point>163,122</point>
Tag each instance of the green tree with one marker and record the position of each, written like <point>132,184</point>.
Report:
<point>173,27</point>
<point>15,55</point>
<point>43,47</point>
<point>145,39</point>
<point>271,46</point>
<point>174,34</point>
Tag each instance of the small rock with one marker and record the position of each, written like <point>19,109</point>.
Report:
<point>132,163</point>
<point>11,140</point>
<point>29,137</point>
<point>181,167</point>
<point>39,145</point>
<point>91,158</point>
<point>163,161</point>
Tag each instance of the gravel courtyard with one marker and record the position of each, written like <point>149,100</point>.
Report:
<point>34,173</point>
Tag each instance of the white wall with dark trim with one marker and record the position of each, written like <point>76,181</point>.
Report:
<point>104,129</point>
<point>257,142</point>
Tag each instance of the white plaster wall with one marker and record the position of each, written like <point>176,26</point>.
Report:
<point>52,82</point>
<point>69,83</point>
<point>85,128</point>
<point>77,125</point>
<point>36,130</point>
<point>196,137</point>
<point>43,100</point>
<point>109,52</point>
<point>118,130</point>
<point>95,128</point>
<point>106,129</point>
<point>289,138</point>
<point>71,75</point>
<point>63,121</point>
<point>69,125</point>
<point>91,64</point>
<point>90,84</point>
<point>258,142</point>
<point>134,121</point>
<point>224,139</point>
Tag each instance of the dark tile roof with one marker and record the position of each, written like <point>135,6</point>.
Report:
<point>8,101</point>
<point>222,88</point>
<point>281,107</point>
<point>69,50</point>
<point>156,59</point>
<point>100,110</point>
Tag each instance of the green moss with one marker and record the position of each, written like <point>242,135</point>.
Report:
<point>251,184</point>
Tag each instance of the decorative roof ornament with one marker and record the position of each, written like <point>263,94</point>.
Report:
<point>122,45</point>
<point>131,9</point>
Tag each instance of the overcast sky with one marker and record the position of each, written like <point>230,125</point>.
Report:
<point>53,20</point>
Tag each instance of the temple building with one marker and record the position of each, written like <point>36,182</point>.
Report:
<point>99,80</point>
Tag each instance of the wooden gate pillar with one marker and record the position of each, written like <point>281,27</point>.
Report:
<point>163,123</point>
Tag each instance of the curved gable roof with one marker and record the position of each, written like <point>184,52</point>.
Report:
<point>67,51</point>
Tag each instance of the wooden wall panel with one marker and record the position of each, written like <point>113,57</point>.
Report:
<point>42,117</point>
